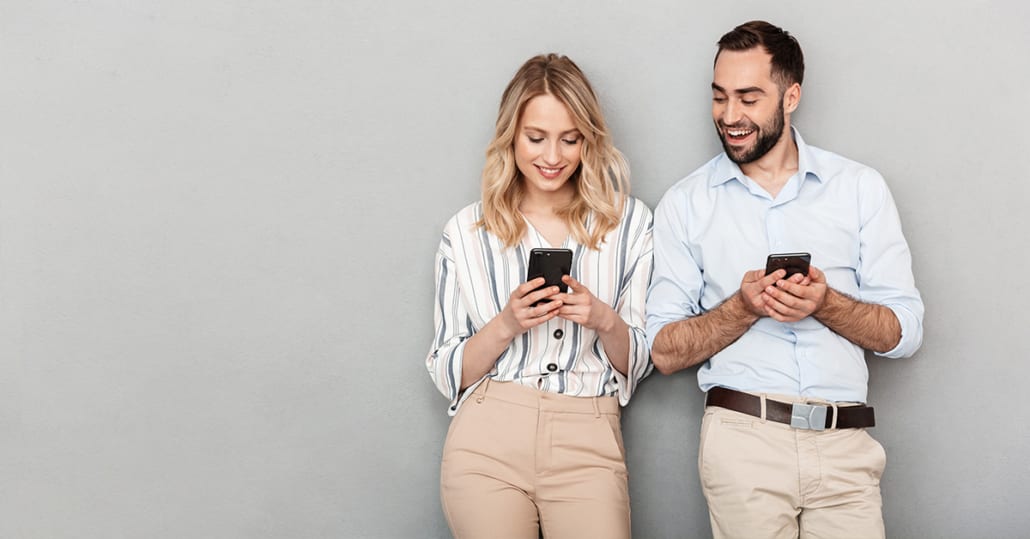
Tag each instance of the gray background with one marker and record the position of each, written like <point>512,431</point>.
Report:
<point>218,220</point>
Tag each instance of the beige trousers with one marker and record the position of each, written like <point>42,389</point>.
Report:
<point>518,460</point>
<point>764,479</point>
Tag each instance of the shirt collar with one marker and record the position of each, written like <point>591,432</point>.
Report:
<point>726,169</point>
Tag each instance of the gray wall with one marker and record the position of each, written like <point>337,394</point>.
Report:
<point>218,220</point>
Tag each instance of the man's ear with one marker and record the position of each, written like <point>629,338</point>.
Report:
<point>791,98</point>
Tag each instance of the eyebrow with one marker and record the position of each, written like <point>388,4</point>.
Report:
<point>562,134</point>
<point>739,91</point>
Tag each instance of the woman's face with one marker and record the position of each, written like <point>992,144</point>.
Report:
<point>547,147</point>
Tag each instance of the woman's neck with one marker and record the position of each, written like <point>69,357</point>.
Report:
<point>551,226</point>
<point>546,202</point>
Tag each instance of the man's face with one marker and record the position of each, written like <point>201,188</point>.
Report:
<point>747,105</point>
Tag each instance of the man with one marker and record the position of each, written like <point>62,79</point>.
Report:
<point>784,451</point>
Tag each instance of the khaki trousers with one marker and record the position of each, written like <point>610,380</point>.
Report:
<point>764,479</point>
<point>517,461</point>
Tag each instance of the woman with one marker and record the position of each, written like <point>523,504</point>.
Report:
<point>535,391</point>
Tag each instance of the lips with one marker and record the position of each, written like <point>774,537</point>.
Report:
<point>737,134</point>
<point>549,173</point>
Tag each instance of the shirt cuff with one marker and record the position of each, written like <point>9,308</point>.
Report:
<point>911,333</point>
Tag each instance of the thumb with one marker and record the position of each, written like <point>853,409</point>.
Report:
<point>816,274</point>
<point>573,284</point>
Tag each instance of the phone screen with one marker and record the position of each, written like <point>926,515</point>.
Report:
<point>791,262</point>
<point>551,264</point>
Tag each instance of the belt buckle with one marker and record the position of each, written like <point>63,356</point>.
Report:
<point>808,416</point>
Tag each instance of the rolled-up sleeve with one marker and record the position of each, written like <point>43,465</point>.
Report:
<point>885,265</point>
<point>633,298</point>
<point>676,284</point>
<point>452,327</point>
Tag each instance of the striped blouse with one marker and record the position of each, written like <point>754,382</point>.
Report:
<point>476,274</point>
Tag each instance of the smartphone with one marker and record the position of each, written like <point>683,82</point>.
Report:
<point>792,262</point>
<point>550,264</point>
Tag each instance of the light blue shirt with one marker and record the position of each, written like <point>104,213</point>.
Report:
<point>716,224</point>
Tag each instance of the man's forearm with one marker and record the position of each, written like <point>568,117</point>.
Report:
<point>688,342</point>
<point>871,326</point>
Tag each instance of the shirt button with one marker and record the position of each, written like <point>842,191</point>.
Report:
<point>558,333</point>
<point>552,366</point>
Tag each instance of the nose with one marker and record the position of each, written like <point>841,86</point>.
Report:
<point>730,112</point>
<point>552,153</point>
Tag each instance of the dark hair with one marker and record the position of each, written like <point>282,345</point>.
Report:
<point>788,63</point>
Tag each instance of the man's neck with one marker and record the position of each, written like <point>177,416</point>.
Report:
<point>772,171</point>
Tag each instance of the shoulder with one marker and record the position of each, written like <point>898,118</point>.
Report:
<point>835,167</point>
<point>635,209</point>
<point>465,220</point>
<point>849,180</point>
<point>460,229</point>
<point>697,183</point>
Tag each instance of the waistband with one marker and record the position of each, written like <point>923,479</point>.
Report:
<point>801,415</point>
<point>518,394</point>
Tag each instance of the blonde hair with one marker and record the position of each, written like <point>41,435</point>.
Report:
<point>602,179</point>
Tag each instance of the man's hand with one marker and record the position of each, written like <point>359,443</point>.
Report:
<point>752,290</point>
<point>693,340</point>
<point>796,298</point>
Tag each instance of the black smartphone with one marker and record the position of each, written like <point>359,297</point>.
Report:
<point>550,264</point>
<point>792,262</point>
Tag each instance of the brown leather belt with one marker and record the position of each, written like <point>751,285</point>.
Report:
<point>801,415</point>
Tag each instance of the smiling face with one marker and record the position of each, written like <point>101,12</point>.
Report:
<point>750,111</point>
<point>548,147</point>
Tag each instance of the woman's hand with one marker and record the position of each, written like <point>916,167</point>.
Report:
<point>486,345</point>
<point>582,307</point>
<point>520,316</point>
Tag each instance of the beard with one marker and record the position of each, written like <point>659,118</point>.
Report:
<point>768,135</point>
